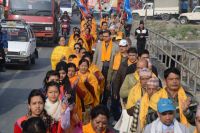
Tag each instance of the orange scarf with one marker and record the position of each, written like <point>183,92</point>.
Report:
<point>106,52</point>
<point>163,94</point>
<point>117,61</point>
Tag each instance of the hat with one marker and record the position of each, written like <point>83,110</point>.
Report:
<point>165,105</point>
<point>153,81</point>
<point>123,43</point>
<point>198,111</point>
<point>145,72</point>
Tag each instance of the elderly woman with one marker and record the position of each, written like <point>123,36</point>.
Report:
<point>60,52</point>
<point>99,121</point>
<point>141,108</point>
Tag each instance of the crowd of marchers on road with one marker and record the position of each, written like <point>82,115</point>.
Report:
<point>98,64</point>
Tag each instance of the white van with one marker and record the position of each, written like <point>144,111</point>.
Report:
<point>66,5</point>
<point>21,42</point>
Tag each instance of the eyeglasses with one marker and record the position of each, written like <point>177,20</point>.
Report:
<point>168,113</point>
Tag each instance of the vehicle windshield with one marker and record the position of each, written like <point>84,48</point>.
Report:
<point>16,34</point>
<point>197,10</point>
<point>65,3</point>
<point>31,7</point>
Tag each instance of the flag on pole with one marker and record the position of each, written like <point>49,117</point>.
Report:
<point>127,9</point>
<point>83,8</point>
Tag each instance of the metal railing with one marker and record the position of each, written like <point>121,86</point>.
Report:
<point>170,54</point>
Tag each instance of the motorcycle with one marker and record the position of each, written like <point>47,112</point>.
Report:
<point>65,24</point>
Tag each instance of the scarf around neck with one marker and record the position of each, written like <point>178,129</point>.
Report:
<point>53,109</point>
<point>106,52</point>
<point>157,126</point>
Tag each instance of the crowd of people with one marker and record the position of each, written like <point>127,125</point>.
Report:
<point>98,65</point>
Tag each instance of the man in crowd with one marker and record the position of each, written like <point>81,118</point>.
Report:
<point>103,58</point>
<point>130,79</point>
<point>141,33</point>
<point>166,123</point>
<point>183,101</point>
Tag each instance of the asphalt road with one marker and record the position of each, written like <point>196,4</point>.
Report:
<point>16,84</point>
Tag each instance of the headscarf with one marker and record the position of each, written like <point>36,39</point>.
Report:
<point>145,72</point>
<point>153,81</point>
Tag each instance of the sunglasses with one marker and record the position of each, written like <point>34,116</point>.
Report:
<point>167,113</point>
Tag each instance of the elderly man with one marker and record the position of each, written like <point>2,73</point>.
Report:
<point>138,90</point>
<point>197,121</point>
<point>137,106</point>
<point>166,123</point>
<point>130,79</point>
<point>141,108</point>
<point>184,102</point>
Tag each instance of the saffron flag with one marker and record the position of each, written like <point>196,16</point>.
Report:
<point>83,8</point>
<point>127,9</point>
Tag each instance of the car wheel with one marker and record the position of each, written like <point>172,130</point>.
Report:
<point>183,20</point>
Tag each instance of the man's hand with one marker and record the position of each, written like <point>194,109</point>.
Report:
<point>186,104</point>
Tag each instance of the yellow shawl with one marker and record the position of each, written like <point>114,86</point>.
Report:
<point>134,95</point>
<point>163,94</point>
<point>95,70</point>
<point>57,54</point>
<point>144,105</point>
<point>89,129</point>
<point>94,82</point>
<point>117,61</point>
<point>106,52</point>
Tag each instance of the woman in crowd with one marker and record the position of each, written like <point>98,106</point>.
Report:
<point>34,125</point>
<point>65,87</point>
<point>36,102</point>
<point>77,48</point>
<point>89,80</point>
<point>51,75</point>
<point>83,43</point>
<point>84,98</point>
<point>57,109</point>
<point>95,70</point>
<point>99,121</point>
<point>89,38</point>
<point>60,52</point>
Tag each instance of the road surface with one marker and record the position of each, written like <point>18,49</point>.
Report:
<point>16,84</point>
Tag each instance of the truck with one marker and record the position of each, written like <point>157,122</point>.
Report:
<point>41,15</point>
<point>189,17</point>
<point>164,9</point>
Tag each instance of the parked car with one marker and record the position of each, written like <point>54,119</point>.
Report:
<point>21,42</point>
<point>189,17</point>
